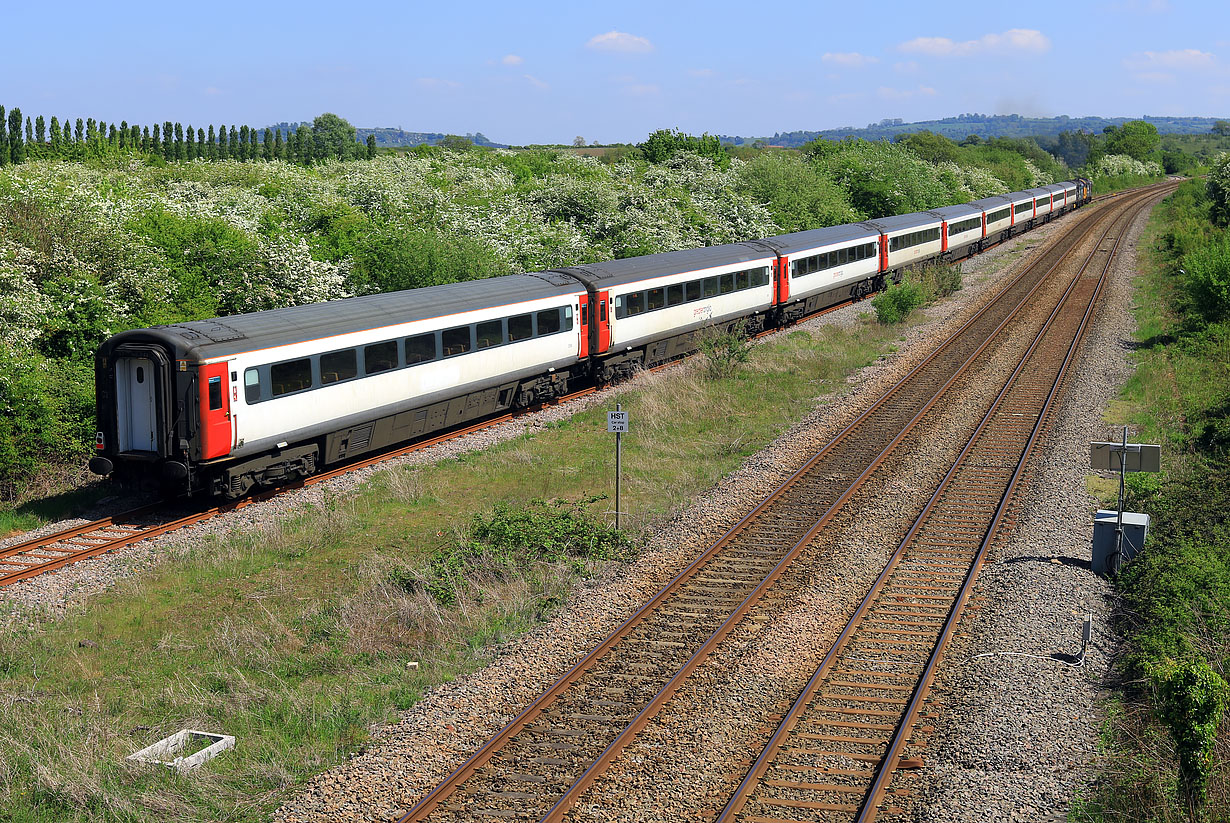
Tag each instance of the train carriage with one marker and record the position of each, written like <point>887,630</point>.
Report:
<point>907,240</point>
<point>821,267</point>
<point>997,217</point>
<point>961,230</point>
<point>659,302</point>
<point>252,399</point>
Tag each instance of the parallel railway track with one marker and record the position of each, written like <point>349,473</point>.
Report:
<point>538,766</point>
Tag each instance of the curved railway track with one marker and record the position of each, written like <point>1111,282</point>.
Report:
<point>539,765</point>
<point>836,751</point>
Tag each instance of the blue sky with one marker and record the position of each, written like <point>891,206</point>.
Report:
<point>547,72</point>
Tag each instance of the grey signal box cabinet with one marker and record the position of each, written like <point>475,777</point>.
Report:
<point>1135,530</point>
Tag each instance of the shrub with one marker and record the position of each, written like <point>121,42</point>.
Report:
<point>513,538</point>
<point>1218,187</point>
<point>392,260</point>
<point>1191,699</point>
<point>895,303</point>
<point>723,353</point>
<point>798,194</point>
<point>1207,276</point>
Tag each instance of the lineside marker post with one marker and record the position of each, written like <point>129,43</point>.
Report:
<point>617,422</point>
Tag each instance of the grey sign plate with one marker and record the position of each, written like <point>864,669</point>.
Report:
<point>1141,457</point>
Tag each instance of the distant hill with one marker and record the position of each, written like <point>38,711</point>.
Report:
<point>396,138</point>
<point>999,125</point>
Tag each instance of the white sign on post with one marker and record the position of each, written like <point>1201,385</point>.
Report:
<point>617,422</point>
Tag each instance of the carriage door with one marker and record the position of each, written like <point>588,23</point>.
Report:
<point>604,322</point>
<point>215,392</point>
<point>138,411</point>
<point>583,339</point>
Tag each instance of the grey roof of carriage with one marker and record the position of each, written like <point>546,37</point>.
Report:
<point>800,241</point>
<point>634,269</point>
<point>237,333</point>
<point>992,203</point>
<point>951,213</point>
<point>899,222</point>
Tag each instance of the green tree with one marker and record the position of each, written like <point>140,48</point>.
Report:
<point>55,135</point>
<point>234,149</point>
<point>454,142</point>
<point>134,137</point>
<point>1135,138</point>
<point>334,137</point>
<point>254,149</point>
<point>29,132</point>
<point>665,143</point>
<point>371,146</point>
<point>224,148</point>
<point>179,153</point>
<point>1218,188</point>
<point>147,142</point>
<point>168,140</point>
<point>932,147</point>
<point>211,144</point>
<point>40,130</point>
<point>79,136</point>
<point>112,136</point>
<point>17,147</point>
<point>4,139</point>
<point>243,142</point>
<point>267,145</point>
<point>155,142</point>
<point>1222,128</point>
<point>190,143</point>
<point>279,148</point>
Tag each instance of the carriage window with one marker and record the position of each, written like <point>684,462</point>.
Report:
<point>337,366</point>
<point>548,321</point>
<point>634,303</point>
<point>693,290</point>
<point>490,333</point>
<point>380,357</point>
<point>521,327</point>
<point>657,299</point>
<point>674,294</point>
<point>456,341</point>
<point>215,393</point>
<point>291,376</point>
<point>584,316</point>
<point>710,285</point>
<point>741,281</point>
<point>420,349</point>
<point>728,283</point>
<point>251,385</point>
<point>567,318</point>
<point>140,374</point>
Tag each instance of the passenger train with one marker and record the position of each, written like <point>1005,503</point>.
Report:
<point>221,406</point>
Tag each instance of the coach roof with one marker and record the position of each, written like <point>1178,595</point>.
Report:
<point>636,269</point>
<point>224,336</point>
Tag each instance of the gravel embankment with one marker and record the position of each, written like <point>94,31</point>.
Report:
<point>441,732</point>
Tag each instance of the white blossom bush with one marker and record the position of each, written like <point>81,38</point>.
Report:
<point>1218,188</point>
<point>1116,165</point>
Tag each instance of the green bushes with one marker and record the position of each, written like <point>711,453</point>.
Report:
<point>512,539</point>
<point>1207,274</point>
<point>1191,700</point>
<point>916,289</point>
<point>392,260</point>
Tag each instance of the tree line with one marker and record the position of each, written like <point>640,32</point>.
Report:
<point>328,136</point>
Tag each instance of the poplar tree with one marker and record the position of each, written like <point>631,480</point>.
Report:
<point>102,131</point>
<point>155,141</point>
<point>112,137</point>
<point>233,142</point>
<point>55,134</point>
<point>91,128</point>
<point>40,130</point>
<point>168,140</point>
<point>267,145</point>
<point>178,153</point>
<point>212,145</point>
<point>371,146</point>
<point>224,148</point>
<point>254,149</point>
<point>80,131</point>
<point>29,132</point>
<point>134,137</point>
<point>145,141</point>
<point>190,143</point>
<point>279,150</point>
<point>200,142</point>
<point>123,144</point>
<point>67,133</point>
<point>17,148</point>
<point>4,139</point>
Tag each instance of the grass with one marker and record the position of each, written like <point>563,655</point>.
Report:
<point>35,513</point>
<point>294,637</point>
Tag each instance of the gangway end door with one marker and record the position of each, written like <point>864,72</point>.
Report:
<point>215,392</point>
<point>137,404</point>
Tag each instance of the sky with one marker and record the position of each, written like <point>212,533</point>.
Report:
<point>548,72</point>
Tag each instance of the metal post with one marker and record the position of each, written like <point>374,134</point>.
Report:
<point>1117,558</point>
<point>619,458</point>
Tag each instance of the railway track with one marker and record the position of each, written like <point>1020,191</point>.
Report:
<point>834,755</point>
<point>538,766</point>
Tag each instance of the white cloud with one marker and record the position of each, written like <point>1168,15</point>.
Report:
<point>620,42</point>
<point>703,73</point>
<point>848,59</point>
<point>906,67</point>
<point>1022,40</point>
<point>1177,59</point>
<point>535,82</point>
<point>886,93</point>
<point>512,60</point>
